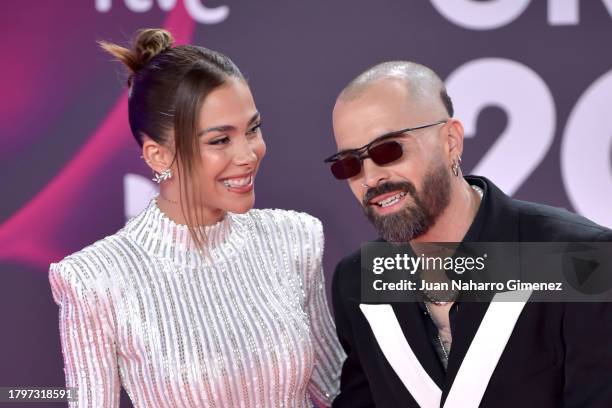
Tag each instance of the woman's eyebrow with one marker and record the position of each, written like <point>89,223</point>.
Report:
<point>254,118</point>
<point>227,128</point>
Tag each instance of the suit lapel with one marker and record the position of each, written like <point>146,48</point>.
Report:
<point>479,338</point>
<point>472,378</point>
<point>471,375</point>
<point>499,223</point>
<point>400,356</point>
<point>469,317</point>
<point>410,318</point>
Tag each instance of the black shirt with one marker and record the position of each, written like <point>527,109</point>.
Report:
<point>472,235</point>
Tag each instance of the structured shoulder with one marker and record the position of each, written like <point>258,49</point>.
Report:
<point>347,275</point>
<point>86,267</point>
<point>350,261</point>
<point>558,224</point>
<point>353,260</point>
<point>287,219</point>
<point>297,234</point>
<point>346,278</point>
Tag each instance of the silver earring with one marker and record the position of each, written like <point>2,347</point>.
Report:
<point>455,167</point>
<point>164,175</point>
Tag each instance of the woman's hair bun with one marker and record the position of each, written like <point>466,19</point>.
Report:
<point>148,43</point>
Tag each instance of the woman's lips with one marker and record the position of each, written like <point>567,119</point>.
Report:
<point>241,184</point>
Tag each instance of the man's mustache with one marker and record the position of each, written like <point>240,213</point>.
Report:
<point>404,186</point>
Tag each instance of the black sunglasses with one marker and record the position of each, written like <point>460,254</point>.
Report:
<point>347,164</point>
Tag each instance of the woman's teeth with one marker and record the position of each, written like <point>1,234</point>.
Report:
<point>237,182</point>
<point>391,200</point>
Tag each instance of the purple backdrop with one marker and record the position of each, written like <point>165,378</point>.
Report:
<point>531,80</point>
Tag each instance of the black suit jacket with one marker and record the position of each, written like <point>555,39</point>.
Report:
<point>558,355</point>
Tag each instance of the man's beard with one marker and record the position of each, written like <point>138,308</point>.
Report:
<point>414,219</point>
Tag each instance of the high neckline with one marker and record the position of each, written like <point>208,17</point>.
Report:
<point>164,238</point>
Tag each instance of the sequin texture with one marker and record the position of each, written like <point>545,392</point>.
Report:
<point>246,325</point>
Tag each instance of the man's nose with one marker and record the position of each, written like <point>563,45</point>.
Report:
<point>373,174</point>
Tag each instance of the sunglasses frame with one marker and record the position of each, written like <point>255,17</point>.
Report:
<point>359,152</point>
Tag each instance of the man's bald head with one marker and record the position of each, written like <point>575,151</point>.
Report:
<point>423,85</point>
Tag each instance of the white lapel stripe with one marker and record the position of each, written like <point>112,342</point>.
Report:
<point>477,366</point>
<point>400,356</point>
<point>485,350</point>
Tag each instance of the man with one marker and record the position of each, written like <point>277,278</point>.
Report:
<point>400,148</point>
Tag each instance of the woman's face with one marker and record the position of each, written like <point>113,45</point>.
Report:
<point>231,147</point>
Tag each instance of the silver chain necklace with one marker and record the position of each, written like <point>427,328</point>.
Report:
<point>480,194</point>
<point>438,335</point>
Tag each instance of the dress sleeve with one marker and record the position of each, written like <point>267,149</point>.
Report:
<point>88,347</point>
<point>328,354</point>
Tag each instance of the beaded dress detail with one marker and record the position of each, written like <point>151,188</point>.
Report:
<point>244,325</point>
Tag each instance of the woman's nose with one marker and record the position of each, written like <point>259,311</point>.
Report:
<point>245,153</point>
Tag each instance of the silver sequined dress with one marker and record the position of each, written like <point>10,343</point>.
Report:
<point>247,326</point>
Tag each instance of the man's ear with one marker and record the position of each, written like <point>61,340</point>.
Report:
<point>454,139</point>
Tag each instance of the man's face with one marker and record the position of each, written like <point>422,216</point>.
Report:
<point>403,198</point>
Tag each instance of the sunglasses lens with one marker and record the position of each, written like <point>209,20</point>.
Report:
<point>385,153</point>
<point>346,167</point>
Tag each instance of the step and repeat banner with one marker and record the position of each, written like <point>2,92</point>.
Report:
<point>531,81</point>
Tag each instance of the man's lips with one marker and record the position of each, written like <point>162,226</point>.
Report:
<point>381,197</point>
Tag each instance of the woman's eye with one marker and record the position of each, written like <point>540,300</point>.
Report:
<point>220,141</point>
<point>254,129</point>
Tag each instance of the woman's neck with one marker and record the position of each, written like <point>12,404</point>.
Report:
<point>170,205</point>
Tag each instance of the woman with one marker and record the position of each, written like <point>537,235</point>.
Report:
<point>199,301</point>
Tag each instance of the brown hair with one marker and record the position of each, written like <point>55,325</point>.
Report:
<point>167,86</point>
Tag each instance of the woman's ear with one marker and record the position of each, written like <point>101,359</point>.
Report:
<point>157,156</point>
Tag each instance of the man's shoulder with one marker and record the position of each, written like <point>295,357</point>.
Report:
<point>544,222</point>
<point>353,259</point>
<point>348,269</point>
